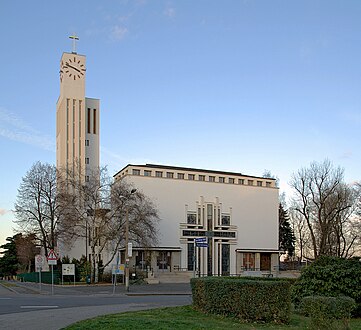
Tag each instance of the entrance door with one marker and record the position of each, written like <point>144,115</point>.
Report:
<point>163,260</point>
<point>265,261</point>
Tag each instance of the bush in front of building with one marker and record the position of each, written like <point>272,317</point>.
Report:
<point>328,312</point>
<point>330,276</point>
<point>256,300</point>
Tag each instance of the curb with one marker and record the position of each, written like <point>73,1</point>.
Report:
<point>158,294</point>
<point>9,288</point>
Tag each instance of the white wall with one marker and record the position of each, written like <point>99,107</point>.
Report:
<point>254,209</point>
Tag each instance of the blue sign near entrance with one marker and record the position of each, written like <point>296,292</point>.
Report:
<point>201,242</point>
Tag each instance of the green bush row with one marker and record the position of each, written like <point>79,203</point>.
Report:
<point>330,276</point>
<point>325,311</point>
<point>251,300</point>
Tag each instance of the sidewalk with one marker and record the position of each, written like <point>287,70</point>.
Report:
<point>103,289</point>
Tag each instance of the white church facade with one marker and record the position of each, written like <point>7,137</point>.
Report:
<point>234,217</point>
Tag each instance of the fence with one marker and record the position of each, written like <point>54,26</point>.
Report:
<point>34,277</point>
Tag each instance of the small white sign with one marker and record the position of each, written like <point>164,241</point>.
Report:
<point>39,261</point>
<point>68,269</point>
<point>130,249</point>
<point>52,258</point>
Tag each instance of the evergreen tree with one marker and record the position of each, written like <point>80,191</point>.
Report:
<point>9,261</point>
<point>286,236</point>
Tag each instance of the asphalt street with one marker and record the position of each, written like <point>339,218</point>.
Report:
<point>25,306</point>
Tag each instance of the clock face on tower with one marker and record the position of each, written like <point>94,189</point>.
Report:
<point>74,68</point>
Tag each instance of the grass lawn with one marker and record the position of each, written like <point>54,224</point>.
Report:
<point>8,284</point>
<point>184,318</point>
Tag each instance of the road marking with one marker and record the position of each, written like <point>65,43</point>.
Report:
<point>41,306</point>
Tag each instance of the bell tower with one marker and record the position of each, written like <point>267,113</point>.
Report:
<point>77,118</point>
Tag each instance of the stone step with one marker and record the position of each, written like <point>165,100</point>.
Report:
<point>173,277</point>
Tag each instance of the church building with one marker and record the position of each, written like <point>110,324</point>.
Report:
<point>211,222</point>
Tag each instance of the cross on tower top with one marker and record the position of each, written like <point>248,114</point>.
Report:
<point>74,38</point>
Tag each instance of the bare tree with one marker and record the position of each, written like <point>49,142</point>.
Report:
<point>95,211</point>
<point>303,247</point>
<point>36,206</point>
<point>326,205</point>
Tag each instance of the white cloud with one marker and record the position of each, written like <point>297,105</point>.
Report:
<point>14,128</point>
<point>118,32</point>
<point>169,12</point>
<point>346,155</point>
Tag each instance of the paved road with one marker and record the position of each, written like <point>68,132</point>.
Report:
<point>25,307</point>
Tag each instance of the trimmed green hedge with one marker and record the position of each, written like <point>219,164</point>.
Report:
<point>325,311</point>
<point>251,300</point>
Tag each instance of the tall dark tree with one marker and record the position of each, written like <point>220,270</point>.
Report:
<point>26,250</point>
<point>9,261</point>
<point>286,236</point>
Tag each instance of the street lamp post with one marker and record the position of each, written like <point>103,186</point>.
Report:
<point>127,254</point>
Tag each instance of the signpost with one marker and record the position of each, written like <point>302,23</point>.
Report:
<point>39,263</point>
<point>52,260</point>
<point>67,269</point>
<point>198,242</point>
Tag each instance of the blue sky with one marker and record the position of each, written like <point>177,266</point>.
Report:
<point>238,86</point>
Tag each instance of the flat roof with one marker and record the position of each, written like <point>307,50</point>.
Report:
<point>190,169</point>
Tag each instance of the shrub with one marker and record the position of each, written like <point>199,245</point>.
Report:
<point>330,276</point>
<point>249,300</point>
<point>325,311</point>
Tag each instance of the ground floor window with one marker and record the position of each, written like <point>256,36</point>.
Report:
<point>163,260</point>
<point>265,261</point>
<point>142,260</point>
<point>249,261</point>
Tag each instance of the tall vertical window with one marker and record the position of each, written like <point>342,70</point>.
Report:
<point>158,174</point>
<point>95,121</point>
<point>225,259</point>
<point>170,175</point>
<point>88,121</point>
<point>212,178</point>
<point>190,256</point>
<point>259,183</point>
<point>209,217</point>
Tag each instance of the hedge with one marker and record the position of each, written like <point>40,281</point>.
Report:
<point>325,311</point>
<point>250,300</point>
<point>330,276</point>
